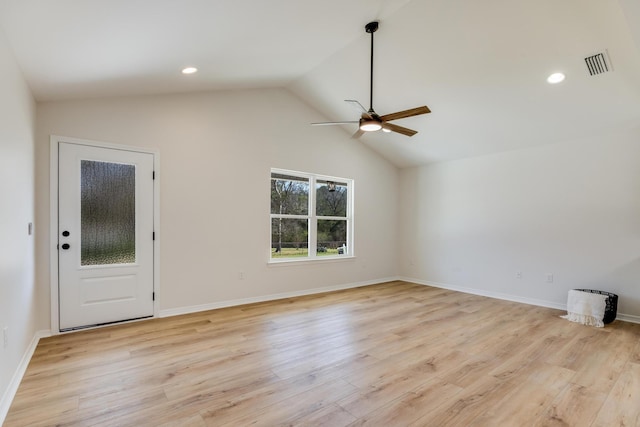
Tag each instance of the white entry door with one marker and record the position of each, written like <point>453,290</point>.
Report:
<point>105,235</point>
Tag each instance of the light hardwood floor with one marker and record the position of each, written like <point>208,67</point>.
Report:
<point>394,354</point>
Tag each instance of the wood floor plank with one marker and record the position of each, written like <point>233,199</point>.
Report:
<point>635,355</point>
<point>411,406</point>
<point>529,398</point>
<point>378,394</point>
<point>471,370</point>
<point>37,414</point>
<point>390,354</point>
<point>285,411</point>
<point>331,415</point>
<point>610,365</point>
<point>576,405</point>
<point>469,404</point>
<point>621,407</point>
<point>190,421</point>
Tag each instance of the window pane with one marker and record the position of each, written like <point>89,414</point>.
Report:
<point>289,195</point>
<point>331,198</point>
<point>107,213</point>
<point>289,238</point>
<point>332,237</point>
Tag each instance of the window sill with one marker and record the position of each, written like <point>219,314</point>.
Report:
<point>294,261</point>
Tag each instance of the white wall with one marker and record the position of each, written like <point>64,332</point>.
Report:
<point>570,209</point>
<point>17,286</point>
<point>216,151</point>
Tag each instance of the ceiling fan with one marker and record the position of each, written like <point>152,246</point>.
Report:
<point>370,120</point>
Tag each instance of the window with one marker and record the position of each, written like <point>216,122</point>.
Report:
<point>311,216</point>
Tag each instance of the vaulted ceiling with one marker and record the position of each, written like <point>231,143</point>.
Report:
<point>481,66</point>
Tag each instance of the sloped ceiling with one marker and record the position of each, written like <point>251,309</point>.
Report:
<point>479,65</point>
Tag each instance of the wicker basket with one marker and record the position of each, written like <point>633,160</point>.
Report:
<point>611,309</point>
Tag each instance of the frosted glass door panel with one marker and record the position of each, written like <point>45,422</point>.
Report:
<point>107,213</point>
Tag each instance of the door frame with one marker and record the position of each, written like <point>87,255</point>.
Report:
<point>55,141</point>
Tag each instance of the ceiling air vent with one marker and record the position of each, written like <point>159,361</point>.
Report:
<point>598,64</point>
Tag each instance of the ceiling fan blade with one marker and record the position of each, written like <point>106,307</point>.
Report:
<point>334,123</point>
<point>406,113</point>
<point>399,129</point>
<point>358,134</point>
<point>355,104</point>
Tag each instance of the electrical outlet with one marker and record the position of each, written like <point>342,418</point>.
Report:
<point>519,275</point>
<point>549,278</point>
<point>241,275</point>
<point>5,336</point>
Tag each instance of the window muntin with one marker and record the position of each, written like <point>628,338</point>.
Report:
<point>307,225</point>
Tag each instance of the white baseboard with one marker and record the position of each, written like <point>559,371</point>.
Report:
<point>231,303</point>
<point>628,318</point>
<point>490,294</point>
<point>12,389</point>
<point>508,297</point>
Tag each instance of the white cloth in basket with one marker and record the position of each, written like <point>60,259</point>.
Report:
<point>586,308</point>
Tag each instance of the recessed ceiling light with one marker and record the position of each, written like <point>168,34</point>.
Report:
<point>555,78</point>
<point>189,70</point>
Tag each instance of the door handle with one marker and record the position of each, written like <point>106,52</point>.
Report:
<point>66,246</point>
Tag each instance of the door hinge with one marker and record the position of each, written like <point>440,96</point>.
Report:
<point>153,235</point>
<point>154,175</point>
<point>153,295</point>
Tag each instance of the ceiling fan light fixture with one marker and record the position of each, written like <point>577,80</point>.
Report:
<point>386,130</point>
<point>370,125</point>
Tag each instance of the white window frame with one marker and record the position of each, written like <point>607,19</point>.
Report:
<point>312,219</point>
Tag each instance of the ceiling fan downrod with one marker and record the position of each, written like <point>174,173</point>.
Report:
<point>371,28</point>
